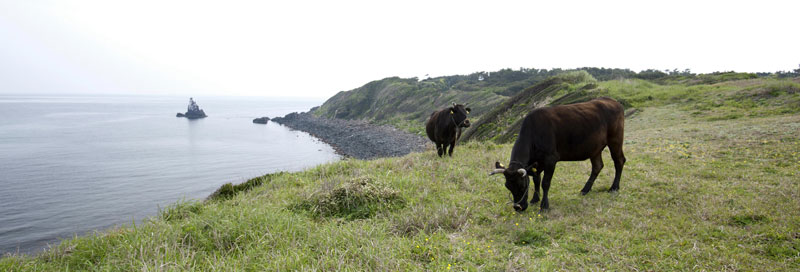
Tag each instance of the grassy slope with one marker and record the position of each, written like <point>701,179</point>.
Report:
<point>725,98</point>
<point>406,103</point>
<point>711,183</point>
<point>502,123</point>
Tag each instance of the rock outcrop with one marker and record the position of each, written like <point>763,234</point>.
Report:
<point>262,120</point>
<point>193,111</point>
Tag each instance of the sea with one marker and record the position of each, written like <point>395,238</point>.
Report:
<point>72,165</point>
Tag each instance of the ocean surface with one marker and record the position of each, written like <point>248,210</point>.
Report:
<point>70,165</point>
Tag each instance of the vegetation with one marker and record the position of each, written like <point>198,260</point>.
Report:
<point>504,121</point>
<point>407,103</point>
<point>711,183</point>
<point>228,190</point>
<point>730,98</point>
<point>506,95</point>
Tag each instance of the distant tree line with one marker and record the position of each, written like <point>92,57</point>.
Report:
<point>785,74</point>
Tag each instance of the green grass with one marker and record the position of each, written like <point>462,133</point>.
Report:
<point>726,100</point>
<point>696,194</point>
<point>720,101</point>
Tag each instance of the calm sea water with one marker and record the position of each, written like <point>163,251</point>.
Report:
<point>71,165</point>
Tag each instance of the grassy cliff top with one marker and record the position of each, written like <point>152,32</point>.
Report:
<point>730,96</point>
<point>499,99</point>
<point>711,183</point>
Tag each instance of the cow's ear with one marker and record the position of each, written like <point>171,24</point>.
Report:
<point>499,165</point>
<point>468,110</point>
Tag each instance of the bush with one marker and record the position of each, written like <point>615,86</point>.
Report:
<point>228,190</point>
<point>356,199</point>
<point>180,211</point>
<point>575,77</point>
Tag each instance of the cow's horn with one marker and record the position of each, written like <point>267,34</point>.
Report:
<point>522,172</point>
<point>454,104</point>
<point>497,171</point>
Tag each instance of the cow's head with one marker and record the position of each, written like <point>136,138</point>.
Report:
<point>459,114</point>
<point>516,182</point>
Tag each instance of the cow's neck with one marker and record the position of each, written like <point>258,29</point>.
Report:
<point>452,124</point>
<point>521,153</point>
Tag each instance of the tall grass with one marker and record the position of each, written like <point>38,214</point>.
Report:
<point>695,195</point>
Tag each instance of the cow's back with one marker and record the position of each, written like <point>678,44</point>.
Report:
<point>577,131</point>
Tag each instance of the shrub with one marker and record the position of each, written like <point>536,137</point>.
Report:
<point>180,210</point>
<point>355,199</point>
<point>228,190</point>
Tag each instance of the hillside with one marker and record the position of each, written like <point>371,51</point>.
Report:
<point>699,192</point>
<point>708,96</point>
<point>499,99</point>
<point>408,102</point>
<point>502,123</point>
<point>711,183</point>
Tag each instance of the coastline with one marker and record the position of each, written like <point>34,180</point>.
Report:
<point>72,165</point>
<point>357,139</point>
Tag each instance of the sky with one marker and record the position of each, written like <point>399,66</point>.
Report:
<point>318,48</point>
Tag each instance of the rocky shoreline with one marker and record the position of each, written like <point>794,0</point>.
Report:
<point>356,139</point>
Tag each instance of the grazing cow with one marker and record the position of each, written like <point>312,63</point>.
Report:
<point>444,127</point>
<point>573,132</point>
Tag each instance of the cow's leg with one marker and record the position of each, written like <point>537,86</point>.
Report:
<point>597,165</point>
<point>439,149</point>
<point>619,161</point>
<point>537,178</point>
<point>548,175</point>
<point>452,145</point>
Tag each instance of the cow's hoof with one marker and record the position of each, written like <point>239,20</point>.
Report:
<point>585,192</point>
<point>613,190</point>
<point>544,207</point>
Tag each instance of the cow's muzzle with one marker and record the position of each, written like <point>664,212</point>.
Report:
<point>465,123</point>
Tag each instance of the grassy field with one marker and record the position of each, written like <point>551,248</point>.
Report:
<point>701,191</point>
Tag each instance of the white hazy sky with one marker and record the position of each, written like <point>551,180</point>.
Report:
<point>317,48</point>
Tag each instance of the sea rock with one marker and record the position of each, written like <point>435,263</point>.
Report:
<point>193,111</point>
<point>262,120</point>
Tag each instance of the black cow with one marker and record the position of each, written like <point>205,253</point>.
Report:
<point>444,127</point>
<point>573,132</point>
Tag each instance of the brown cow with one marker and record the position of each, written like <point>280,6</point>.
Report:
<point>573,132</point>
<point>444,127</point>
